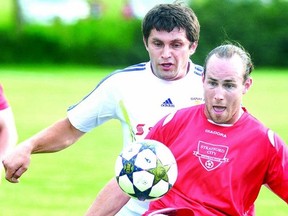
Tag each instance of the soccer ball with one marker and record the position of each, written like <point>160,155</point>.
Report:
<point>146,170</point>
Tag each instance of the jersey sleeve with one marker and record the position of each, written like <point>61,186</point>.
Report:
<point>99,106</point>
<point>3,102</point>
<point>277,178</point>
<point>160,130</point>
<point>154,132</point>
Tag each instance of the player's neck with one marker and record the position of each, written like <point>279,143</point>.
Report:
<point>228,125</point>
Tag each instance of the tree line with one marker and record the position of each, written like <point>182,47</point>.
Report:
<point>261,27</point>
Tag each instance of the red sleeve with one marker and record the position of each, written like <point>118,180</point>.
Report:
<point>3,102</point>
<point>158,131</point>
<point>277,180</point>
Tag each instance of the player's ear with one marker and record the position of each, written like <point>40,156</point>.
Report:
<point>247,85</point>
<point>193,47</point>
<point>145,43</point>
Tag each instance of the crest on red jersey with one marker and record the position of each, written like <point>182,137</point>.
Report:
<point>210,155</point>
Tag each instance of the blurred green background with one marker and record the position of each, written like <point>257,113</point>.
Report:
<point>110,36</point>
<point>46,67</point>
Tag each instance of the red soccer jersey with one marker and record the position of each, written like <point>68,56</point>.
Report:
<point>221,168</point>
<point>3,101</point>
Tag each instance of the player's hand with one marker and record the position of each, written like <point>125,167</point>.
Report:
<point>16,162</point>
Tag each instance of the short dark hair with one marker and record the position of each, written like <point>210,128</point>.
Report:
<point>169,16</point>
<point>227,51</point>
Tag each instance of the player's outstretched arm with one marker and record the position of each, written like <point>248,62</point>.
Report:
<point>109,201</point>
<point>54,138</point>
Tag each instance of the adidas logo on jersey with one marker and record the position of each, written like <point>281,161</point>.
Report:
<point>167,103</point>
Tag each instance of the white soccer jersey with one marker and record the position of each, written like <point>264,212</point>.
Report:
<point>138,99</point>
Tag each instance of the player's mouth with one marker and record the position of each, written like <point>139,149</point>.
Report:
<point>219,109</point>
<point>166,66</point>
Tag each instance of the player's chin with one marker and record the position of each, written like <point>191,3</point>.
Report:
<point>218,118</point>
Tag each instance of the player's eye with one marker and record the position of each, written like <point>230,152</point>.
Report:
<point>177,45</point>
<point>229,85</point>
<point>212,83</point>
<point>157,44</point>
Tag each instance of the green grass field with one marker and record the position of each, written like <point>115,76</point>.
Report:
<point>66,183</point>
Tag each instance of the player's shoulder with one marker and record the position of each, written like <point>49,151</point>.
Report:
<point>131,70</point>
<point>251,121</point>
<point>196,70</point>
<point>121,76</point>
<point>186,113</point>
<point>135,67</point>
<point>127,73</point>
<point>183,114</point>
<point>259,129</point>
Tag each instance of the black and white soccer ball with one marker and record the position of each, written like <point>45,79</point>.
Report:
<point>146,170</point>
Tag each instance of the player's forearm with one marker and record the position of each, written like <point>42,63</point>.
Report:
<point>54,138</point>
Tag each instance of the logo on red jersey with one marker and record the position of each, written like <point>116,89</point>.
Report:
<point>210,155</point>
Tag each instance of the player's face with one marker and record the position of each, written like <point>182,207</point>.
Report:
<point>224,87</point>
<point>169,53</point>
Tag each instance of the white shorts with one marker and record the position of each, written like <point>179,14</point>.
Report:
<point>133,208</point>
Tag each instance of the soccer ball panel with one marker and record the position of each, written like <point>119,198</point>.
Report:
<point>131,151</point>
<point>173,173</point>
<point>118,165</point>
<point>143,180</point>
<point>165,155</point>
<point>159,189</point>
<point>125,184</point>
<point>146,159</point>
